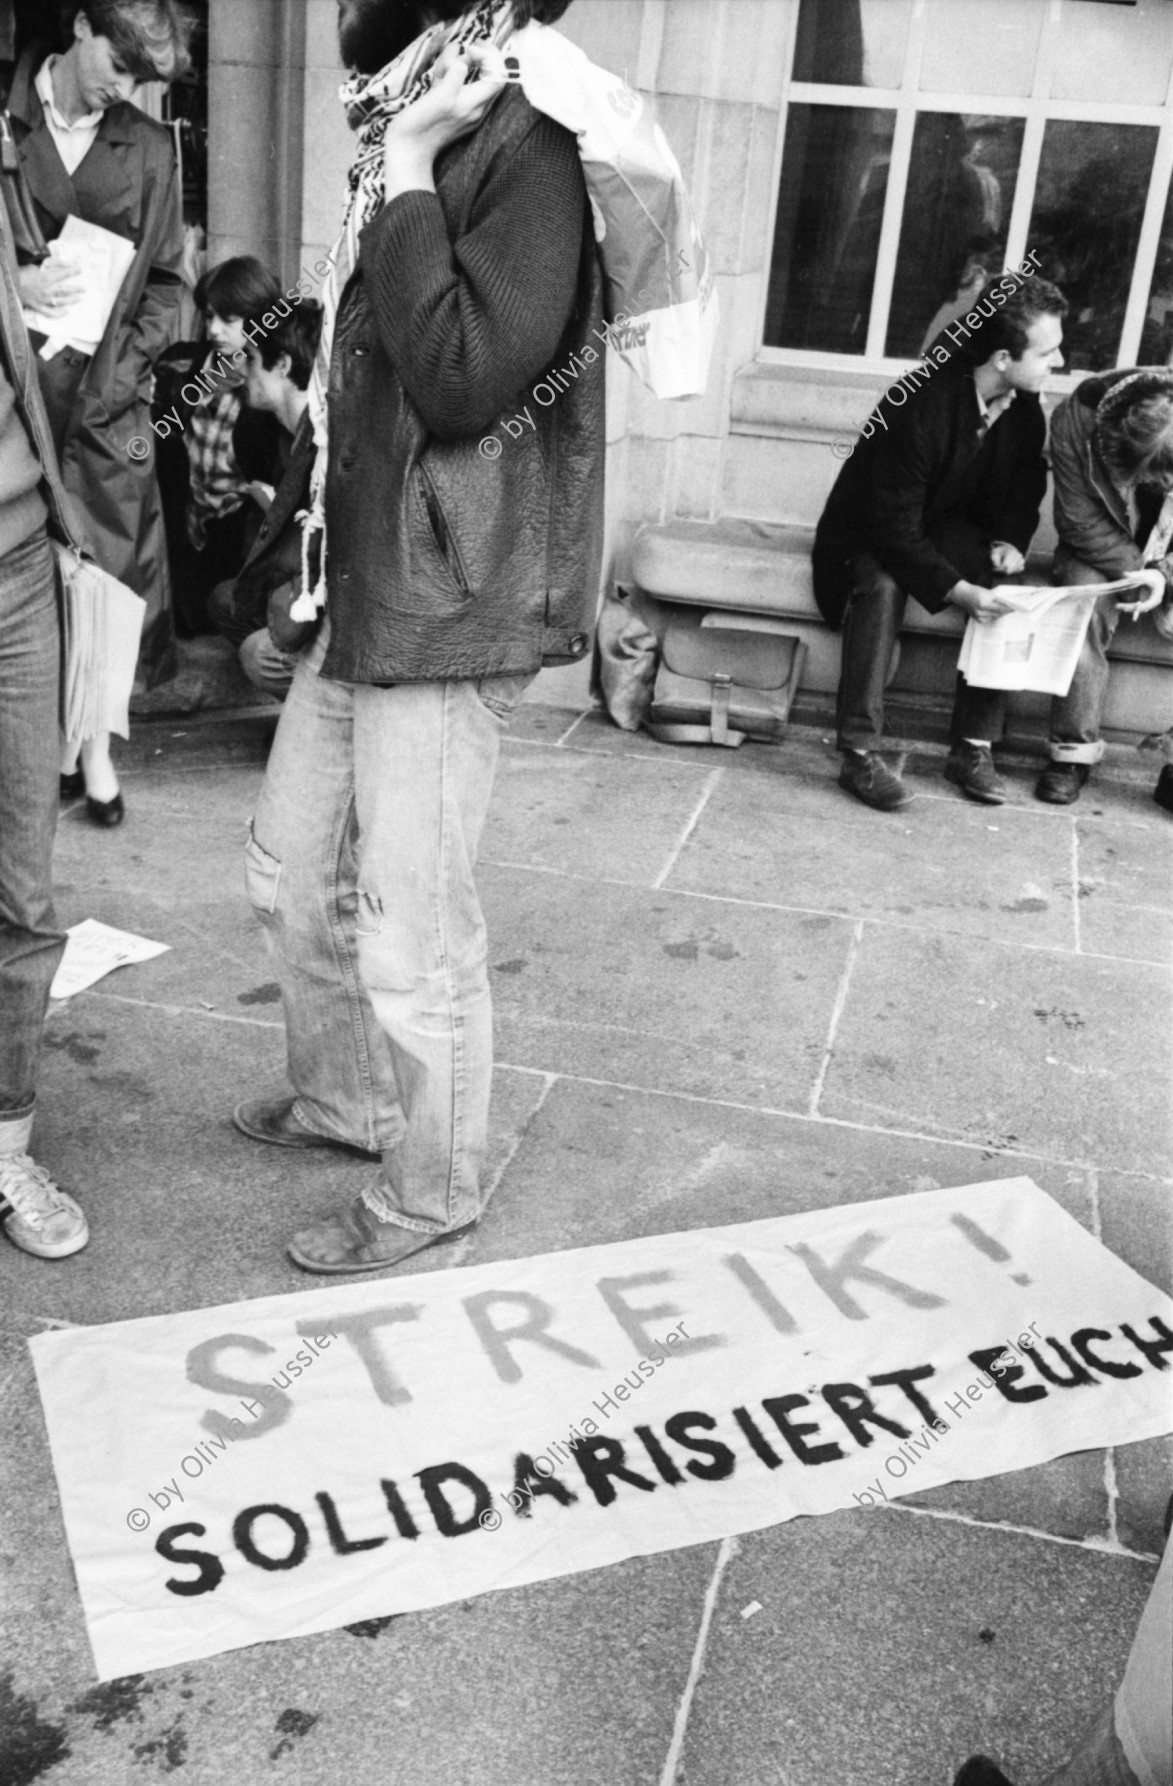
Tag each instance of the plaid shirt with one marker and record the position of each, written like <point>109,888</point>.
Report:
<point>217,483</point>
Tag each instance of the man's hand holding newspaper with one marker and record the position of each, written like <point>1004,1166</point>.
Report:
<point>1031,637</point>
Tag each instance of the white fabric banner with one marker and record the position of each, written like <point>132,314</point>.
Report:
<point>274,1468</point>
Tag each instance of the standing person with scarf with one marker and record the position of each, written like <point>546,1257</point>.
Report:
<point>466,269</point>
<point>86,151</point>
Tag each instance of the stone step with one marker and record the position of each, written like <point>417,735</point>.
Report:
<point>757,567</point>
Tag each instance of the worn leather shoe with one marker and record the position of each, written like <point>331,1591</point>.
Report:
<point>72,787</point>
<point>979,1770</point>
<point>106,813</point>
<point>1061,784</point>
<point>1163,792</point>
<point>355,1239</point>
<point>272,1120</point>
<point>971,767</point>
<point>869,778</point>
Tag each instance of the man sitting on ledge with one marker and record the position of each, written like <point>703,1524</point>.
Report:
<point>938,500</point>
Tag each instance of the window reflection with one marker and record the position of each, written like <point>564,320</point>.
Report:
<point>831,204</point>
<point>1089,202</point>
<point>852,43</point>
<point>961,180</point>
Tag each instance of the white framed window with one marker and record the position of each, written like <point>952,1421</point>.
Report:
<point>927,142</point>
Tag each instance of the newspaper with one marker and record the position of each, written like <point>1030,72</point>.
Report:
<point>103,258</point>
<point>93,950</point>
<point>1038,645</point>
<point>101,624</point>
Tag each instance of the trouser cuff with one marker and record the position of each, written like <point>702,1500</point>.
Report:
<point>16,1132</point>
<point>1090,754</point>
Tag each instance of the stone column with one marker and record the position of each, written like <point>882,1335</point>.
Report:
<point>256,123</point>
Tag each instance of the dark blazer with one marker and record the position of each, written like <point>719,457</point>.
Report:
<point>444,561</point>
<point>127,183</point>
<point>921,470</point>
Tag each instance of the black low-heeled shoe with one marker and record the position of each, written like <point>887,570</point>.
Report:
<point>106,813</point>
<point>72,787</point>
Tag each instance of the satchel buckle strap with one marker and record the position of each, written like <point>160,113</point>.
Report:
<point>720,686</point>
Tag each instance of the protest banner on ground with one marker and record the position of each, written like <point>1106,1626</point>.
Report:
<point>285,1466</point>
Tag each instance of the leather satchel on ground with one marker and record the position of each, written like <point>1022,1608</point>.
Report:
<point>724,678</point>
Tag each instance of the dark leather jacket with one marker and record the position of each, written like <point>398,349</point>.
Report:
<point>445,560</point>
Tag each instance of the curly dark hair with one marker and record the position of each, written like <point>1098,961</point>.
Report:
<point>1134,428</point>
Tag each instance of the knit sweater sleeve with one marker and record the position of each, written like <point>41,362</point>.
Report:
<point>470,324</point>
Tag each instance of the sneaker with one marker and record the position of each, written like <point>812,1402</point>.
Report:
<point>1060,784</point>
<point>869,778</point>
<point>1163,792</point>
<point>971,766</point>
<point>37,1216</point>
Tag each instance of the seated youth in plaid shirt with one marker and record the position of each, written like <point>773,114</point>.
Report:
<point>205,433</point>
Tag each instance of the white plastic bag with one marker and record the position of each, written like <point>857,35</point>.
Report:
<point>659,285</point>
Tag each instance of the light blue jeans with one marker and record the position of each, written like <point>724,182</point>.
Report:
<point>31,942</point>
<point>360,867</point>
<point>1075,716</point>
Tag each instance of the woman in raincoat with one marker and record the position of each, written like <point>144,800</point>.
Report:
<point>86,151</point>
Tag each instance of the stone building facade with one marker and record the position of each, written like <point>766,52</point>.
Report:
<point>844,157</point>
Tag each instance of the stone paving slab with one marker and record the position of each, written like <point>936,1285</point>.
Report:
<point>603,1163</point>
<point>185,1212</point>
<point>202,810</point>
<point>623,983</point>
<point>1057,1054</point>
<point>576,1682</point>
<point>1125,869</point>
<point>1126,853</point>
<point>1144,1484</point>
<point>581,814</point>
<point>216,955</point>
<point>771,838</point>
<point>890,1646</point>
<point>556,1684</point>
<point>1136,1221</point>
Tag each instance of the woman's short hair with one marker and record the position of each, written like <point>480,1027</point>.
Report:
<point>151,38</point>
<point>242,286</point>
<point>1134,428</point>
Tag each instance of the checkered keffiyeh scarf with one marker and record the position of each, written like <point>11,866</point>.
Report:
<point>371,102</point>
